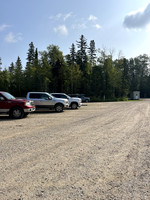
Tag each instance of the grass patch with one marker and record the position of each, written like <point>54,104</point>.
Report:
<point>97,99</point>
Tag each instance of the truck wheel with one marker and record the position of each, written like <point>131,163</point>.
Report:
<point>26,114</point>
<point>16,113</point>
<point>74,106</point>
<point>59,108</point>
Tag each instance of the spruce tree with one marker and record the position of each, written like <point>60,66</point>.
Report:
<point>92,53</point>
<point>31,54</point>
<point>81,53</point>
<point>18,78</point>
<point>72,54</point>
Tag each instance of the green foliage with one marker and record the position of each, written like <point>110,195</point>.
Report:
<point>92,53</point>
<point>81,71</point>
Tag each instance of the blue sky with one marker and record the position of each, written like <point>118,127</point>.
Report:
<point>118,25</point>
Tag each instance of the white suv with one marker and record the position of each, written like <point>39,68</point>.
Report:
<point>74,103</point>
<point>44,100</point>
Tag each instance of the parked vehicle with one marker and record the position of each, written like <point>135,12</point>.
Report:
<point>16,108</point>
<point>44,100</point>
<point>84,99</point>
<point>74,103</point>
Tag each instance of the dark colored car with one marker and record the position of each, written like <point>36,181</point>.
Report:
<point>81,96</point>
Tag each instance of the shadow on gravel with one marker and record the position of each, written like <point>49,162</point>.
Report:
<point>45,112</point>
<point>6,118</point>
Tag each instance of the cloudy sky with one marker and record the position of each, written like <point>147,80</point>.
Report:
<point>118,25</point>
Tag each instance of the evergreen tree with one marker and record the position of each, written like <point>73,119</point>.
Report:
<point>96,87</point>
<point>32,72</point>
<point>125,78</point>
<point>18,78</point>
<point>31,54</point>
<point>85,67</point>
<point>11,68</point>
<point>54,58</point>
<point>82,58</point>
<point>72,54</point>
<point>36,54</point>
<point>0,64</point>
<point>92,53</point>
<point>4,80</point>
<point>142,70</point>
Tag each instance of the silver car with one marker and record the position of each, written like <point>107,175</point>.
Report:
<point>44,100</point>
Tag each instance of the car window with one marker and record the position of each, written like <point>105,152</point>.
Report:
<point>56,95</point>
<point>34,96</point>
<point>44,96</point>
<point>63,96</point>
<point>1,98</point>
<point>8,96</point>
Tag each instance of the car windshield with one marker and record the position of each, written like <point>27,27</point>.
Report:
<point>68,97</point>
<point>8,96</point>
<point>50,95</point>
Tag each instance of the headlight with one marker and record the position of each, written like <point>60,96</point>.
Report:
<point>27,103</point>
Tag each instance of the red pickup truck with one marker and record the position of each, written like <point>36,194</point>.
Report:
<point>16,108</point>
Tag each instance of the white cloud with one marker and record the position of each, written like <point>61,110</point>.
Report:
<point>58,16</point>
<point>11,38</point>
<point>61,16</point>
<point>137,19</point>
<point>92,18</point>
<point>3,27</point>
<point>62,29</point>
<point>76,23</point>
<point>97,26</point>
<point>67,16</point>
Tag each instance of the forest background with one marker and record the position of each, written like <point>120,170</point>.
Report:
<point>85,70</point>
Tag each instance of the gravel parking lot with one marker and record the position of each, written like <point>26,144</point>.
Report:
<point>97,152</point>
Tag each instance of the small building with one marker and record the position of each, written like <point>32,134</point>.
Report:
<point>135,95</point>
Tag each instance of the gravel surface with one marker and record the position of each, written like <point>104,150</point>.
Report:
<point>97,152</point>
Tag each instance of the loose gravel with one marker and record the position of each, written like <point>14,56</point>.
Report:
<point>97,152</point>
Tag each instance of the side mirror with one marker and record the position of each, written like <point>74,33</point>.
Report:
<point>2,99</point>
<point>49,98</point>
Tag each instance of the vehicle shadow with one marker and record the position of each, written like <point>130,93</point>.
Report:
<point>84,104</point>
<point>45,112</point>
<point>6,118</point>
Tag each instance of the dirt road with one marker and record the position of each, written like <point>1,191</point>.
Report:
<point>98,152</point>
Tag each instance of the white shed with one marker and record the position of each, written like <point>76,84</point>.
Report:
<point>136,95</point>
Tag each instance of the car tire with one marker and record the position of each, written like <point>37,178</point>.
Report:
<point>74,106</point>
<point>26,114</point>
<point>59,107</point>
<point>16,113</point>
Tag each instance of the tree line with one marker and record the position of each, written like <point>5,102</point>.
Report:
<point>85,70</point>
